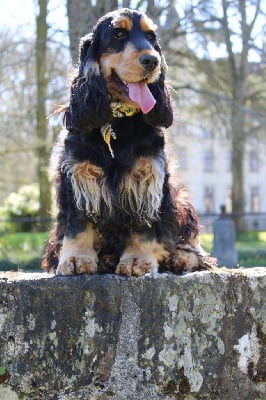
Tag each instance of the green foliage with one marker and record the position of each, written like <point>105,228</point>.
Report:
<point>24,250</point>
<point>251,236</point>
<point>22,204</point>
<point>21,250</point>
<point>2,370</point>
<point>251,247</point>
<point>206,241</point>
<point>251,258</point>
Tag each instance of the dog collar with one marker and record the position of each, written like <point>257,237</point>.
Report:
<point>119,110</point>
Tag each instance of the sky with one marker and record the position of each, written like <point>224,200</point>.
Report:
<point>15,13</point>
<point>20,14</point>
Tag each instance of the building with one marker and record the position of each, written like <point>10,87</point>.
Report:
<point>204,167</point>
<point>198,140</point>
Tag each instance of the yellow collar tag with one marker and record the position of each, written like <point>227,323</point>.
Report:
<point>119,110</point>
<point>107,134</point>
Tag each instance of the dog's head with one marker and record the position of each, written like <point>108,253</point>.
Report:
<point>121,60</point>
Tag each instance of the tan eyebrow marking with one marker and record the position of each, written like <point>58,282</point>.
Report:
<point>147,24</point>
<point>122,22</point>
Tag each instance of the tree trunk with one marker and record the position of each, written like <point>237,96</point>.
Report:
<point>238,151</point>
<point>78,20</point>
<point>238,67</point>
<point>82,16</point>
<point>41,120</point>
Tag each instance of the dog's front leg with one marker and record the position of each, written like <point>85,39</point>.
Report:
<point>141,256</point>
<point>77,255</point>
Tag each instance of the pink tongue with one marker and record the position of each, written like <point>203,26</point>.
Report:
<point>141,94</point>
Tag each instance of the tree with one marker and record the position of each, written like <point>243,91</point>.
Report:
<point>227,82</point>
<point>16,112</point>
<point>41,120</point>
<point>239,68</point>
<point>82,16</point>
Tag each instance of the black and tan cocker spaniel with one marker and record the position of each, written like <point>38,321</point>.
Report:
<point>117,210</point>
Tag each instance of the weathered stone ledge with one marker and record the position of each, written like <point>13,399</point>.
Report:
<point>164,337</point>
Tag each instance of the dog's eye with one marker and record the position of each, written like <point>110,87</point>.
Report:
<point>150,35</point>
<point>120,34</point>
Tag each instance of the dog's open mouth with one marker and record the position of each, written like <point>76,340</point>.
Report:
<point>138,92</point>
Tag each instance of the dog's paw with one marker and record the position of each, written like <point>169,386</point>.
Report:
<point>107,263</point>
<point>188,259</point>
<point>182,261</point>
<point>135,266</point>
<point>77,265</point>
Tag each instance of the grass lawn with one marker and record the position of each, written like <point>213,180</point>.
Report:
<point>23,251</point>
<point>251,247</point>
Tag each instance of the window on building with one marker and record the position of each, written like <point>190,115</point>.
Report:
<point>254,199</point>
<point>228,200</point>
<point>208,200</point>
<point>207,134</point>
<point>208,161</point>
<point>182,158</point>
<point>229,159</point>
<point>253,161</point>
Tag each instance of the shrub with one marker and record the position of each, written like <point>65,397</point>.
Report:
<point>21,206</point>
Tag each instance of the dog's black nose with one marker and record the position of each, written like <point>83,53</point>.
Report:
<point>149,62</point>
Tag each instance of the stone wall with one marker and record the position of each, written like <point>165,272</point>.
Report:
<point>197,336</point>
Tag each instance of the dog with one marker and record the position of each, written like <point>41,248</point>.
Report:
<point>117,212</point>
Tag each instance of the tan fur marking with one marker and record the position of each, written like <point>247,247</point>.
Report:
<point>141,257</point>
<point>127,66</point>
<point>147,24</point>
<point>122,22</point>
<point>108,63</point>
<point>77,255</point>
<point>88,170</point>
<point>141,190</point>
<point>88,184</point>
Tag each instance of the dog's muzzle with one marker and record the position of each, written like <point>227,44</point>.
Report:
<point>149,62</point>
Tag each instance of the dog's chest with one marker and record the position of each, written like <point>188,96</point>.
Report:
<point>138,190</point>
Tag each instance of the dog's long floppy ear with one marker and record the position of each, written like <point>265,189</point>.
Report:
<point>89,105</point>
<point>162,112</point>
<point>88,50</point>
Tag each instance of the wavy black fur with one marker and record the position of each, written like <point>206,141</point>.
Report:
<point>137,136</point>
